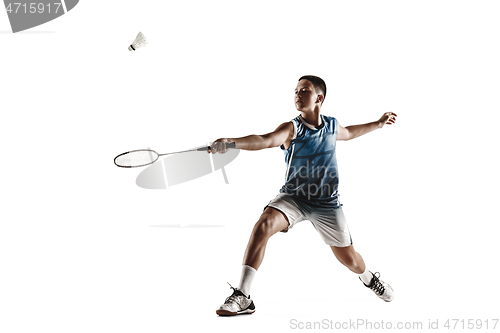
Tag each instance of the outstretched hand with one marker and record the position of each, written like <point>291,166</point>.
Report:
<point>219,146</point>
<point>387,118</point>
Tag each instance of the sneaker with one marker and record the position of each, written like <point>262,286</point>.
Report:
<point>237,303</point>
<point>380,288</point>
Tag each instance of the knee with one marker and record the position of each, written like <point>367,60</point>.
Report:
<point>266,225</point>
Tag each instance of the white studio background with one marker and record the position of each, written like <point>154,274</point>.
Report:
<point>82,248</point>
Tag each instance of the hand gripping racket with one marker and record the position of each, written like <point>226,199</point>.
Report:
<point>143,157</point>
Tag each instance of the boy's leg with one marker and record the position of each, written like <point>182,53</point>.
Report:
<point>270,222</point>
<point>349,258</point>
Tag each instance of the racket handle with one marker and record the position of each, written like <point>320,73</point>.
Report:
<point>229,145</point>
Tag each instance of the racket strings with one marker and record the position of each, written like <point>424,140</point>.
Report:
<point>136,158</point>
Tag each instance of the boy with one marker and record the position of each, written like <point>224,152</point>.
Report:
<point>310,191</point>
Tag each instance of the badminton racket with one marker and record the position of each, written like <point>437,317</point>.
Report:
<point>143,157</point>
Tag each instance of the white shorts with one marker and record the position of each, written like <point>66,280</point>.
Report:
<point>329,222</point>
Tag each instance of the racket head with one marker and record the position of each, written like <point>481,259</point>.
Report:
<point>136,158</point>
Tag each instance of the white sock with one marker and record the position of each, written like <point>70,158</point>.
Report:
<point>247,275</point>
<point>366,276</point>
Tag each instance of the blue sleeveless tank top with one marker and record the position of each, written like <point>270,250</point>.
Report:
<point>312,172</point>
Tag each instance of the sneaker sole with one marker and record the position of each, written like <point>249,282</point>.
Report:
<point>226,313</point>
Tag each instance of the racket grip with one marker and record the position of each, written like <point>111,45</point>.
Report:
<point>229,145</point>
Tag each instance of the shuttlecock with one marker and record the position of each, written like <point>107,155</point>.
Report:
<point>139,41</point>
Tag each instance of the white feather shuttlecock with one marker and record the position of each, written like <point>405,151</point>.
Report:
<point>140,41</point>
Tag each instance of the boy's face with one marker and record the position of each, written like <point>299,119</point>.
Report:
<point>306,98</point>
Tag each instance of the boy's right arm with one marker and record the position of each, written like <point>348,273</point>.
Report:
<point>281,135</point>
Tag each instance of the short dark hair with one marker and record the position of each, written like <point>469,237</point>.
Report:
<point>318,83</point>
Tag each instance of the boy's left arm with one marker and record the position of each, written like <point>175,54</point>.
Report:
<point>354,131</point>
